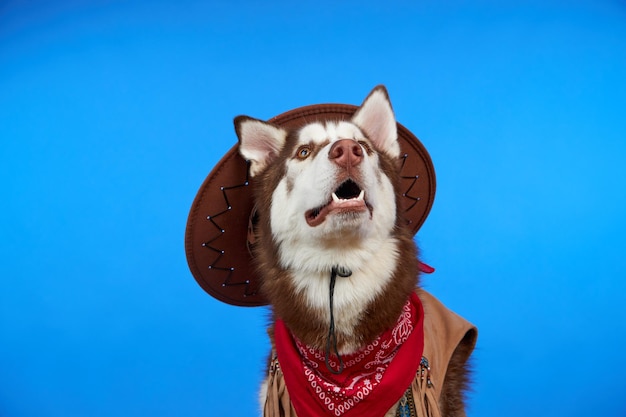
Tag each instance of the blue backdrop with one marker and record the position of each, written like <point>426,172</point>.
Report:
<point>113,112</point>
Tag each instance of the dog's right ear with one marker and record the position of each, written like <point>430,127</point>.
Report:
<point>376,118</point>
<point>259,142</point>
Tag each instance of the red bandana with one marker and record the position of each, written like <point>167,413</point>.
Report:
<point>373,379</point>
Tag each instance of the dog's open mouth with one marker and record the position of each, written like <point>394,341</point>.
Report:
<point>348,197</point>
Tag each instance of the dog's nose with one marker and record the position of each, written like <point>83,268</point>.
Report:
<point>346,153</point>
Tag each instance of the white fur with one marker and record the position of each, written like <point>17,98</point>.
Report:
<point>352,293</point>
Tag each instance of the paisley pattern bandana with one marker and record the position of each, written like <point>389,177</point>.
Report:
<point>373,379</point>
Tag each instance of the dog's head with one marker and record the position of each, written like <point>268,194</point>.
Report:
<point>327,185</point>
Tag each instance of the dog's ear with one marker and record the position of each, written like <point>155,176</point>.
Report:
<point>259,142</point>
<point>375,117</point>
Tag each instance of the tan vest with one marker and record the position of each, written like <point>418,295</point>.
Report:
<point>444,331</point>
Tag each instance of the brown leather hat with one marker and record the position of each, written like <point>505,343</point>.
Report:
<point>217,236</point>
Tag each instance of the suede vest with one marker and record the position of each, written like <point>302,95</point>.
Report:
<point>444,331</point>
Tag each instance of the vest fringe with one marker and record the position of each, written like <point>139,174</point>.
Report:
<point>277,403</point>
<point>423,391</point>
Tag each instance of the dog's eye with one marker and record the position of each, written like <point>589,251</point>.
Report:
<point>366,146</point>
<point>303,152</point>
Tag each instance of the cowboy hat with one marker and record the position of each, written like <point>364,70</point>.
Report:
<point>219,227</point>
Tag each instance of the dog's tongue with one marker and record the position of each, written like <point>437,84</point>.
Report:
<point>337,205</point>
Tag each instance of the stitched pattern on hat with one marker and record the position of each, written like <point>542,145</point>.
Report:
<point>406,195</point>
<point>213,245</point>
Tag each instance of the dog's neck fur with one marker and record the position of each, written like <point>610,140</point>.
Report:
<point>365,304</point>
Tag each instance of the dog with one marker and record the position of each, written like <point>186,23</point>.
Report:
<point>339,269</point>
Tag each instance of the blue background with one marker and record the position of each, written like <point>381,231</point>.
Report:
<point>113,112</point>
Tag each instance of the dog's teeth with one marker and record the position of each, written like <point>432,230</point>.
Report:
<point>335,198</point>
<point>361,195</point>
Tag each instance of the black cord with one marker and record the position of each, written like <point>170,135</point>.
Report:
<point>332,337</point>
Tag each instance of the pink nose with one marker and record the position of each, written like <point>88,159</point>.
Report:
<point>346,153</point>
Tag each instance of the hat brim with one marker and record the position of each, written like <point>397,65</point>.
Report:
<point>217,227</point>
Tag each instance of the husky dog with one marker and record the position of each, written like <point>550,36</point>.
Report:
<point>336,262</point>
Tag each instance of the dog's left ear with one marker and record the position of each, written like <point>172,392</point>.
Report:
<point>259,142</point>
<point>375,117</point>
